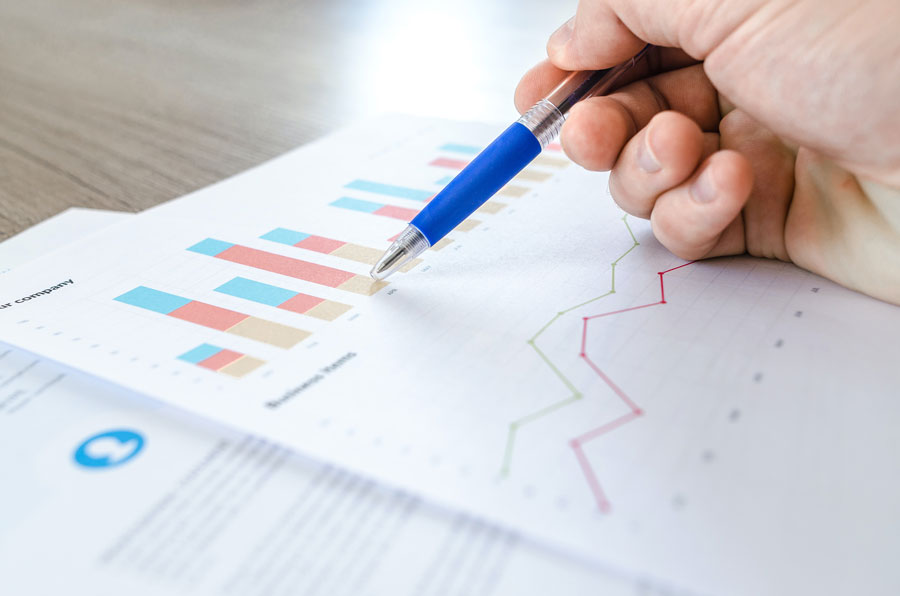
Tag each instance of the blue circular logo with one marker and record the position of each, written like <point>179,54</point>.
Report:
<point>109,449</point>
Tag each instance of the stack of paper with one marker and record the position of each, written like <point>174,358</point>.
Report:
<point>548,401</point>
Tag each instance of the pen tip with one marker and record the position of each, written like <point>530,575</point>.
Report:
<point>408,245</point>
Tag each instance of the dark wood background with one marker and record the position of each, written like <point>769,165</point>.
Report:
<point>122,104</point>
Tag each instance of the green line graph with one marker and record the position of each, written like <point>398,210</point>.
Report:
<point>575,395</point>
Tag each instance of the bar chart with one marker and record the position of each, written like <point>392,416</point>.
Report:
<point>249,290</point>
<point>220,360</point>
<point>288,266</point>
<point>390,190</point>
<point>297,302</point>
<point>214,317</point>
<point>330,246</point>
<point>394,212</point>
<point>528,174</point>
<point>382,209</point>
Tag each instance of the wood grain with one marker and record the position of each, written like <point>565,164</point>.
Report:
<point>122,105</point>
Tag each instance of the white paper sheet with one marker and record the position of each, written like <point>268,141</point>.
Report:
<point>725,425</point>
<point>163,502</point>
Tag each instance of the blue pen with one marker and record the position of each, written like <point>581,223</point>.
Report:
<point>498,164</point>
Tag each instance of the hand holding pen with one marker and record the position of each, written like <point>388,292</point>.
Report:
<point>769,132</point>
<point>499,163</point>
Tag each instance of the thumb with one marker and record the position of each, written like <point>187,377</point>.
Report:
<point>604,33</point>
<point>594,38</point>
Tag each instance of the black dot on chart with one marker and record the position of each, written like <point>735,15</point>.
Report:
<point>798,314</point>
<point>734,415</point>
<point>679,502</point>
<point>758,377</point>
<point>779,343</point>
<point>708,456</point>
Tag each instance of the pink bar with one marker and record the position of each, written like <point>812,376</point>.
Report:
<point>320,244</point>
<point>554,147</point>
<point>301,303</point>
<point>220,360</point>
<point>208,315</point>
<point>397,212</point>
<point>446,162</point>
<point>267,261</point>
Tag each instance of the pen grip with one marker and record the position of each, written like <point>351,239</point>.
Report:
<point>479,181</point>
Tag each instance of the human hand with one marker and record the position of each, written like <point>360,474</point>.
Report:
<point>773,127</point>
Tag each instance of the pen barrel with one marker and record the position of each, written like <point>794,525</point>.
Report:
<point>478,181</point>
<point>583,84</point>
<point>544,121</point>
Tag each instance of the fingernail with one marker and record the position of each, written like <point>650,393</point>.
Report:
<point>562,35</point>
<point>703,189</point>
<point>645,157</point>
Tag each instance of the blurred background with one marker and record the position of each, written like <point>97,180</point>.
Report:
<point>124,104</point>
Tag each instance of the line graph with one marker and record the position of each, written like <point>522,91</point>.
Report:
<point>578,442</point>
<point>576,395</point>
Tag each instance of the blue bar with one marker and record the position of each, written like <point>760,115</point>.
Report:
<point>154,300</point>
<point>200,353</point>
<point>357,205</point>
<point>285,236</point>
<point>455,148</point>
<point>248,289</point>
<point>444,181</point>
<point>399,192</point>
<point>211,247</point>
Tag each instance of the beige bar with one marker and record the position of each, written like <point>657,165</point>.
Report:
<point>242,366</point>
<point>360,254</point>
<point>360,284</point>
<point>269,332</point>
<point>551,162</point>
<point>442,243</point>
<point>328,310</point>
<point>467,225</point>
<point>491,207</point>
<point>410,266</point>
<point>513,190</point>
<point>533,176</point>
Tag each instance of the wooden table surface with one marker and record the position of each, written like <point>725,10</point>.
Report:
<point>124,104</point>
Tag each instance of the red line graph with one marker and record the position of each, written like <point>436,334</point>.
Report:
<point>577,443</point>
